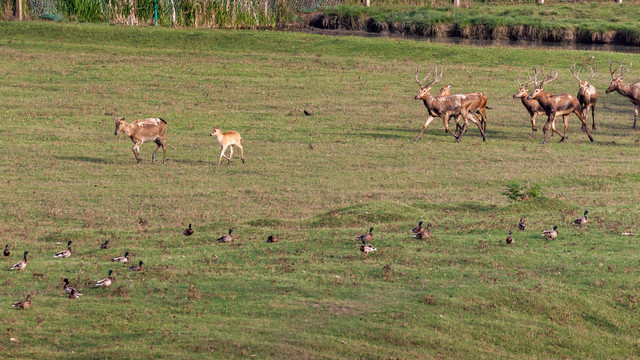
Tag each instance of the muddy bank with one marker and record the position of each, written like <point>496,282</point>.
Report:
<point>481,32</point>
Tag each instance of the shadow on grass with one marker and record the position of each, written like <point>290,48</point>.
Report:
<point>83,159</point>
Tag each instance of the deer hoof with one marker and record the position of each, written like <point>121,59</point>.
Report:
<point>242,161</point>
<point>416,139</point>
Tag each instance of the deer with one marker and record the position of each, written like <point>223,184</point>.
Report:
<point>141,131</point>
<point>587,95</point>
<point>479,103</point>
<point>444,107</point>
<point>555,105</point>
<point>630,91</point>
<point>533,106</point>
<point>228,140</point>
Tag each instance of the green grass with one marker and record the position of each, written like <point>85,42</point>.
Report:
<point>312,295</point>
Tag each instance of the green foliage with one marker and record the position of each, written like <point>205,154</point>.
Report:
<point>516,192</point>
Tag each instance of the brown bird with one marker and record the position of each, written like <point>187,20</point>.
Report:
<point>366,237</point>
<point>583,220</point>
<point>367,248</point>
<point>23,304</point>
<point>74,294</point>
<point>226,238</point>
<point>69,289</point>
<point>188,232</point>
<point>272,239</point>
<point>136,267</point>
<point>7,252</point>
<point>105,245</point>
<point>418,228</point>
<point>510,239</point>
<point>425,233</point>
<point>522,224</point>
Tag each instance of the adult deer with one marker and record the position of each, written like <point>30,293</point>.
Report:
<point>555,105</point>
<point>587,95</point>
<point>478,103</point>
<point>632,92</point>
<point>533,106</point>
<point>444,107</point>
<point>141,131</point>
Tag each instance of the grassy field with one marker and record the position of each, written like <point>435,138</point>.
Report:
<point>315,181</point>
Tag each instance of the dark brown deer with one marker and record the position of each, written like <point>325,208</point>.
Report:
<point>587,95</point>
<point>444,107</point>
<point>533,106</point>
<point>556,105</point>
<point>632,92</point>
<point>151,129</point>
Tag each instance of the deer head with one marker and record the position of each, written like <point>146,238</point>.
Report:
<point>616,80</point>
<point>119,123</point>
<point>576,74</point>
<point>424,89</point>
<point>545,80</point>
<point>523,88</point>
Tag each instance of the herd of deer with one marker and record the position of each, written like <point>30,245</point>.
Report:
<point>465,106</point>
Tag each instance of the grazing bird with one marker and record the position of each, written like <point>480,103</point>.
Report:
<point>366,237</point>
<point>136,267</point>
<point>583,220</point>
<point>74,294</point>
<point>188,232</point>
<point>425,233</point>
<point>122,259</point>
<point>367,248</point>
<point>226,238</point>
<point>418,228</point>
<point>272,239</point>
<point>20,265</point>
<point>522,224</point>
<point>105,245</point>
<point>6,252</point>
<point>106,282</point>
<point>510,239</point>
<point>551,234</point>
<point>307,113</point>
<point>23,304</point>
<point>64,253</point>
<point>69,289</point>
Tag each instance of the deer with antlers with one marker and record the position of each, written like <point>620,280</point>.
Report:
<point>533,106</point>
<point>630,91</point>
<point>479,103</point>
<point>556,105</point>
<point>587,95</point>
<point>445,106</point>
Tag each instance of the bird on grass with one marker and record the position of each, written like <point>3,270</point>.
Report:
<point>105,245</point>
<point>226,238</point>
<point>64,253</point>
<point>522,224</point>
<point>69,289</point>
<point>583,220</point>
<point>122,259</point>
<point>6,252</point>
<point>136,267</point>
<point>510,239</point>
<point>188,232</point>
<point>366,237</point>
<point>418,228</point>
<point>307,113</point>
<point>106,282</point>
<point>23,304</point>
<point>367,248</point>
<point>551,234</point>
<point>272,239</point>
<point>424,234</point>
<point>20,265</point>
<point>74,294</point>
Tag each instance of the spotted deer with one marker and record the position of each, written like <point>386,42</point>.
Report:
<point>630,91</point>
<point>533,106</point>
<point>587,95</point>
<point>556,105</point>
<point>479,103</point>
<point>141,131</point>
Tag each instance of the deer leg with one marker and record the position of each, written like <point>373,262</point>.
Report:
<point>584,123</point>
<point>635,116</point>
<point>426,123</point>
<point>224,148</point>
<point>230,153</point>
<point>479,124</point>
<point>446,126</point>
<point>164,151</point>
<point>533,124</point>
<point>136,151</point>
<point>566,127</point>
<point>545,129</point>
<point>241,152</point>
<point>593,116</point>
<point>159,143</point>
<point>483,115</point>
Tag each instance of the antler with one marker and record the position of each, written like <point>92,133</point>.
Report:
<point>547,78</point>
<point>420,82</point>
<point>621,68</point>
<point>575,73</point>
<point>526,83</point>
<point>435,80</point>
<point>622,71</point>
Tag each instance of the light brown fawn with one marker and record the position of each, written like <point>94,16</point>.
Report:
<point>228,140</point>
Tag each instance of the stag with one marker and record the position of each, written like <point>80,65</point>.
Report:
<point>587,95</point>
<point>444,107</point>
<point>632,92</point>
<point>533,106</point>
<point>554,105</point>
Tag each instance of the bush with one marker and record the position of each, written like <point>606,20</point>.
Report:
<point>517,192</point>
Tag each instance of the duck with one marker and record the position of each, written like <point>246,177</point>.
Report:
<point>418,228</point>
<point>522,224</point>
<point>510,239</point>
<point>367,248</point>
<point>6,252</point>
<point>424,234</point>
<point>105,245</point>
<point>188,232</point>
<point>366,237</point>
<point>74,294</point>
<point>69,289</point>
<point>226,238</point>
<point>64,253</point>
<point>583,220</point>
<point>272,239</point>
<point>20,265</point>
<point>551,234</point>
<point>23,304</point>
<point>136,267</point>
<point>122,259</point>
<point>106,282</point>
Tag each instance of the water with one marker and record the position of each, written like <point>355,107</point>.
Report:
<point>523,44</point>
